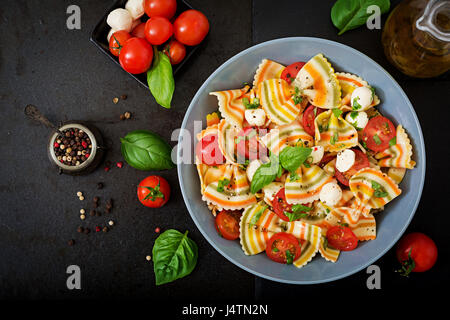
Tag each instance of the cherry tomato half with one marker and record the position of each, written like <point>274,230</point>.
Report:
<point>416,252</point>
<point>117,41</point>
<point>248,145</point>
<point>342,238</point>
<point>309,116</point>
<point>208,152</point>
<point>290,72</point>
<point>191,27</point>
<point>160,8</point>
<point>176,51</point>
<point>153,191</point>
<point>280,205</point>
<point>158,30</point>
<point>283,247</point>
<point>227,224</point>
<point>136,55</point>
<point>378,132</point>
<point>361,161</point>
<point>139,31</point>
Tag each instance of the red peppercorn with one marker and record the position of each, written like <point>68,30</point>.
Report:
<point>84,144</point>
<point>119,164</point>
<point>56,145</point>
<point>107,169</point>
<point>157,230</point>
<point>98,229</point>
<point>87,155</point>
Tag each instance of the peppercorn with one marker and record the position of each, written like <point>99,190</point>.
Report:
<point>92,212</point>
<point>71,242</point>
<point>122,117</point>
<point>123,97</point>
<point>127,115</point>
<point>105,229</point>
<point>115,100</point>
<point>80,229</point>
<point>98,229</point>
<point>96,199</point>
<point>99,186</point>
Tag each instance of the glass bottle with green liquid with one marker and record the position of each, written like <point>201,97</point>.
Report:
<point>416,37</point>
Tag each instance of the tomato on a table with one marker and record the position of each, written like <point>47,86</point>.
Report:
<point>139,31</point>
<point>208,151</point>
<point>290,72</point>
<point>342,238</point>
<point>378,133</point>
<point>191,27</point>
<point>176,51</point>
<point>416,252</point>
<point>136,55</point>
<point>158,30</point>
<point>361,161</point>
<point>283,247</point>
<point>153,191</point>
<point>248,145</point>
<point>227,224</point>
<point>160,8</point>
<point>117,41</point>
<point>309,116</point>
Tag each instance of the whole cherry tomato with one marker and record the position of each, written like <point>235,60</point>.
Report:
<point>136,55</point>
<point>191,27</point>
<point>176,51</point>
<point>160,8</point>
<point>153,191</point>
<point>416,252</point>
<point>139,31</point>
<point>158,30</point>
<point>117,41</point>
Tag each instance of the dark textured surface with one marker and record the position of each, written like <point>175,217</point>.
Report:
<point>430,100</point>
<point>67,77</point>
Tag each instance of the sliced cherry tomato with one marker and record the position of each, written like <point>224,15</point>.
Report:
<point>160,8</point>
<point>342,238</point>
<point>378,133</point>
<point>139,31</point>
<point>280,205</point>
<point>117,41</point>
<point>136,55</point>
<point>283,247</point>
<point>191,27</point>
<point>158,30</point>
<point>227,224</point>
<point>326,158</point>
<point>248,145</point>
<point>208,152</point>
<point>290,72</point>
<point>176,51</point>
<point>153,191</point>
<point>309,116</point>
<point>416,252</point>
<point>361,161</point>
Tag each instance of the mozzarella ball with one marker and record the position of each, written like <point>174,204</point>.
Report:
<point>317,154</point>
<point>251,169</point>
<point>363,96</point>
<point>255,117</point>
<point>120,19</point>
<point>110,33</point>
<point>330,194</point>
<point>136,8</point>
<point>272,189</point>
<point>359,120</point>
<point>345,160</point>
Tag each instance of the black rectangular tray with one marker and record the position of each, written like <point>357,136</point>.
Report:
<point>100,32</point>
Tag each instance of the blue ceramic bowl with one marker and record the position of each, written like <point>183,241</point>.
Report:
<point>391,223</point>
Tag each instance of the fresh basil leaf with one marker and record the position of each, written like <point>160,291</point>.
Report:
<point>291,158</point>
<point>174,256</point>
<point>160,79</point>
<point>221,184</point>
<point>300,208</point>
<point>145,150</point>
<point>393,141</point>
<point>350,14</point>
<point>334,138</point>
<point>380,194</point>
<point>377,139</point>
<point>354,114</point>
<point>297,98</point>
<point>289,257</point>
<point>248,105</point>
<point>295,215</point>
<point>265,174</point>
<point>256,216</point>
<point>356,105</point>
<point>337,112</point>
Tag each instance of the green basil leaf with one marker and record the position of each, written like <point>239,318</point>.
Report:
<point>160,79</point>
<point>337,112</point>
<point>145,150</point>
<point>174,256</point>
<point>300,208</point>
<point>393,141</point>
<point>295,215</point>
<point>350,14</point>
<point>265,174</point>
<point>377,139</point>
<point>221,184</point>
<point>291,158</point>
<point>256,216</point>
<point>289,257</point>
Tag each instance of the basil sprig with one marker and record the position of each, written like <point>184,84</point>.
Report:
<point>379,192</point>
<point>145,150</point>
<point>174,256</point>
<point>160,79</point>
<point>256,216</point>
<point>292,158</point>
<point>266,173</point>
<point>298,211</point>
<point>350,14</point>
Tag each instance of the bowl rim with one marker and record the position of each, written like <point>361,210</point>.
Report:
<point>421,156</point>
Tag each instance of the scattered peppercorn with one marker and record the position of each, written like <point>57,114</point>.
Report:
<point>148,258</point>
<point>96,199</point>
<point>79,194</point>
<point>157,230</point>
<point>81,198</point>
<point>82,211</point>
<point>98,229</point>
<point>115,100</point>
<point>99,186</point>
<point>127,115</point>
<point>105,229</point>
<point>119,164</point>
<point>122,117</point>
<point>71,242</point>
<point>80,229</point>
<point>111,223</point>
<point>123,97</point>
<point>92,212</point>
<point>82,217</point>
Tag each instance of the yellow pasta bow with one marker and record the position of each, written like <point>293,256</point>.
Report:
<point>231,106</point>
<point>267,69</point>
<point>398,155</point>
<point>282,136</point>
<point>349,82</point>
<point>334,133</point>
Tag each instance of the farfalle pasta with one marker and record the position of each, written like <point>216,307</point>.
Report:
<point>308,162</point>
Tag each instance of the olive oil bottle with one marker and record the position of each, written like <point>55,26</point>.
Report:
<point>416,37</point>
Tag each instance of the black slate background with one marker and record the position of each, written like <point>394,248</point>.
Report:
<point>60,71</point>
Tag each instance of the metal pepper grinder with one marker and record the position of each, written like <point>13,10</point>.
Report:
<point>97,150</point>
